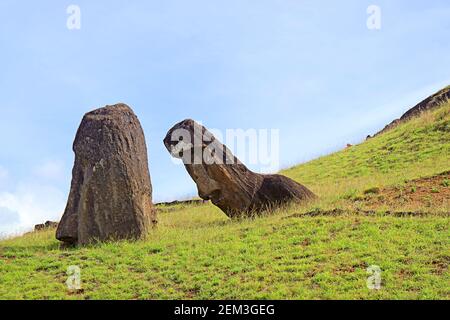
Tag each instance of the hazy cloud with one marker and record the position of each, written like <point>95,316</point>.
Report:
<point>29,204</point>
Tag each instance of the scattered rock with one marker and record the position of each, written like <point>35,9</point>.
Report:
<point>182,202</point>
<point>177,204</point>
<point>111,192</point>
<point>223,179</point>
<point>46,225</point>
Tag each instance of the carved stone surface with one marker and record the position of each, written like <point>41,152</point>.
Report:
<point>223,179</point>
<point>111,192</point>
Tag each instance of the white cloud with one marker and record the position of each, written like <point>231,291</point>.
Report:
<point>33,200</point>
<point>33,203</point>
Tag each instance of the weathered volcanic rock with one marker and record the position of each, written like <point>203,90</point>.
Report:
<point>46,225</point>
<point>223,179</point>
<point>111,193</point>
<point>430,103</point>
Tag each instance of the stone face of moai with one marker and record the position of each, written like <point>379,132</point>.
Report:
<point>223,179</point>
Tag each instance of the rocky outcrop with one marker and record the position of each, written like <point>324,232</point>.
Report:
<point>429,103</point>
<point>111,193</point>
<point>46,225</point>
<point>223,179</point>
<point>182,202</point>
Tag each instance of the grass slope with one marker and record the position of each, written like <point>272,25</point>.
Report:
<point>197,253</point>
<point>418,148</point>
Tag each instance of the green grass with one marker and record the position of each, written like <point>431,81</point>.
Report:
<point>196,252</point>
<point>418,148</point>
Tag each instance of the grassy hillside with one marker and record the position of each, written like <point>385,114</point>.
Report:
<point>382,203</point>
<point>418,148</point>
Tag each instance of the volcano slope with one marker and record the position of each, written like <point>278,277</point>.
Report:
<point>384,202</point>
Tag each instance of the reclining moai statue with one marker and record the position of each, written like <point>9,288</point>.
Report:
<point>223,179</point>
<point>111,192</point>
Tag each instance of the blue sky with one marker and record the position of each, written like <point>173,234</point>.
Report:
<point>311,69</point>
